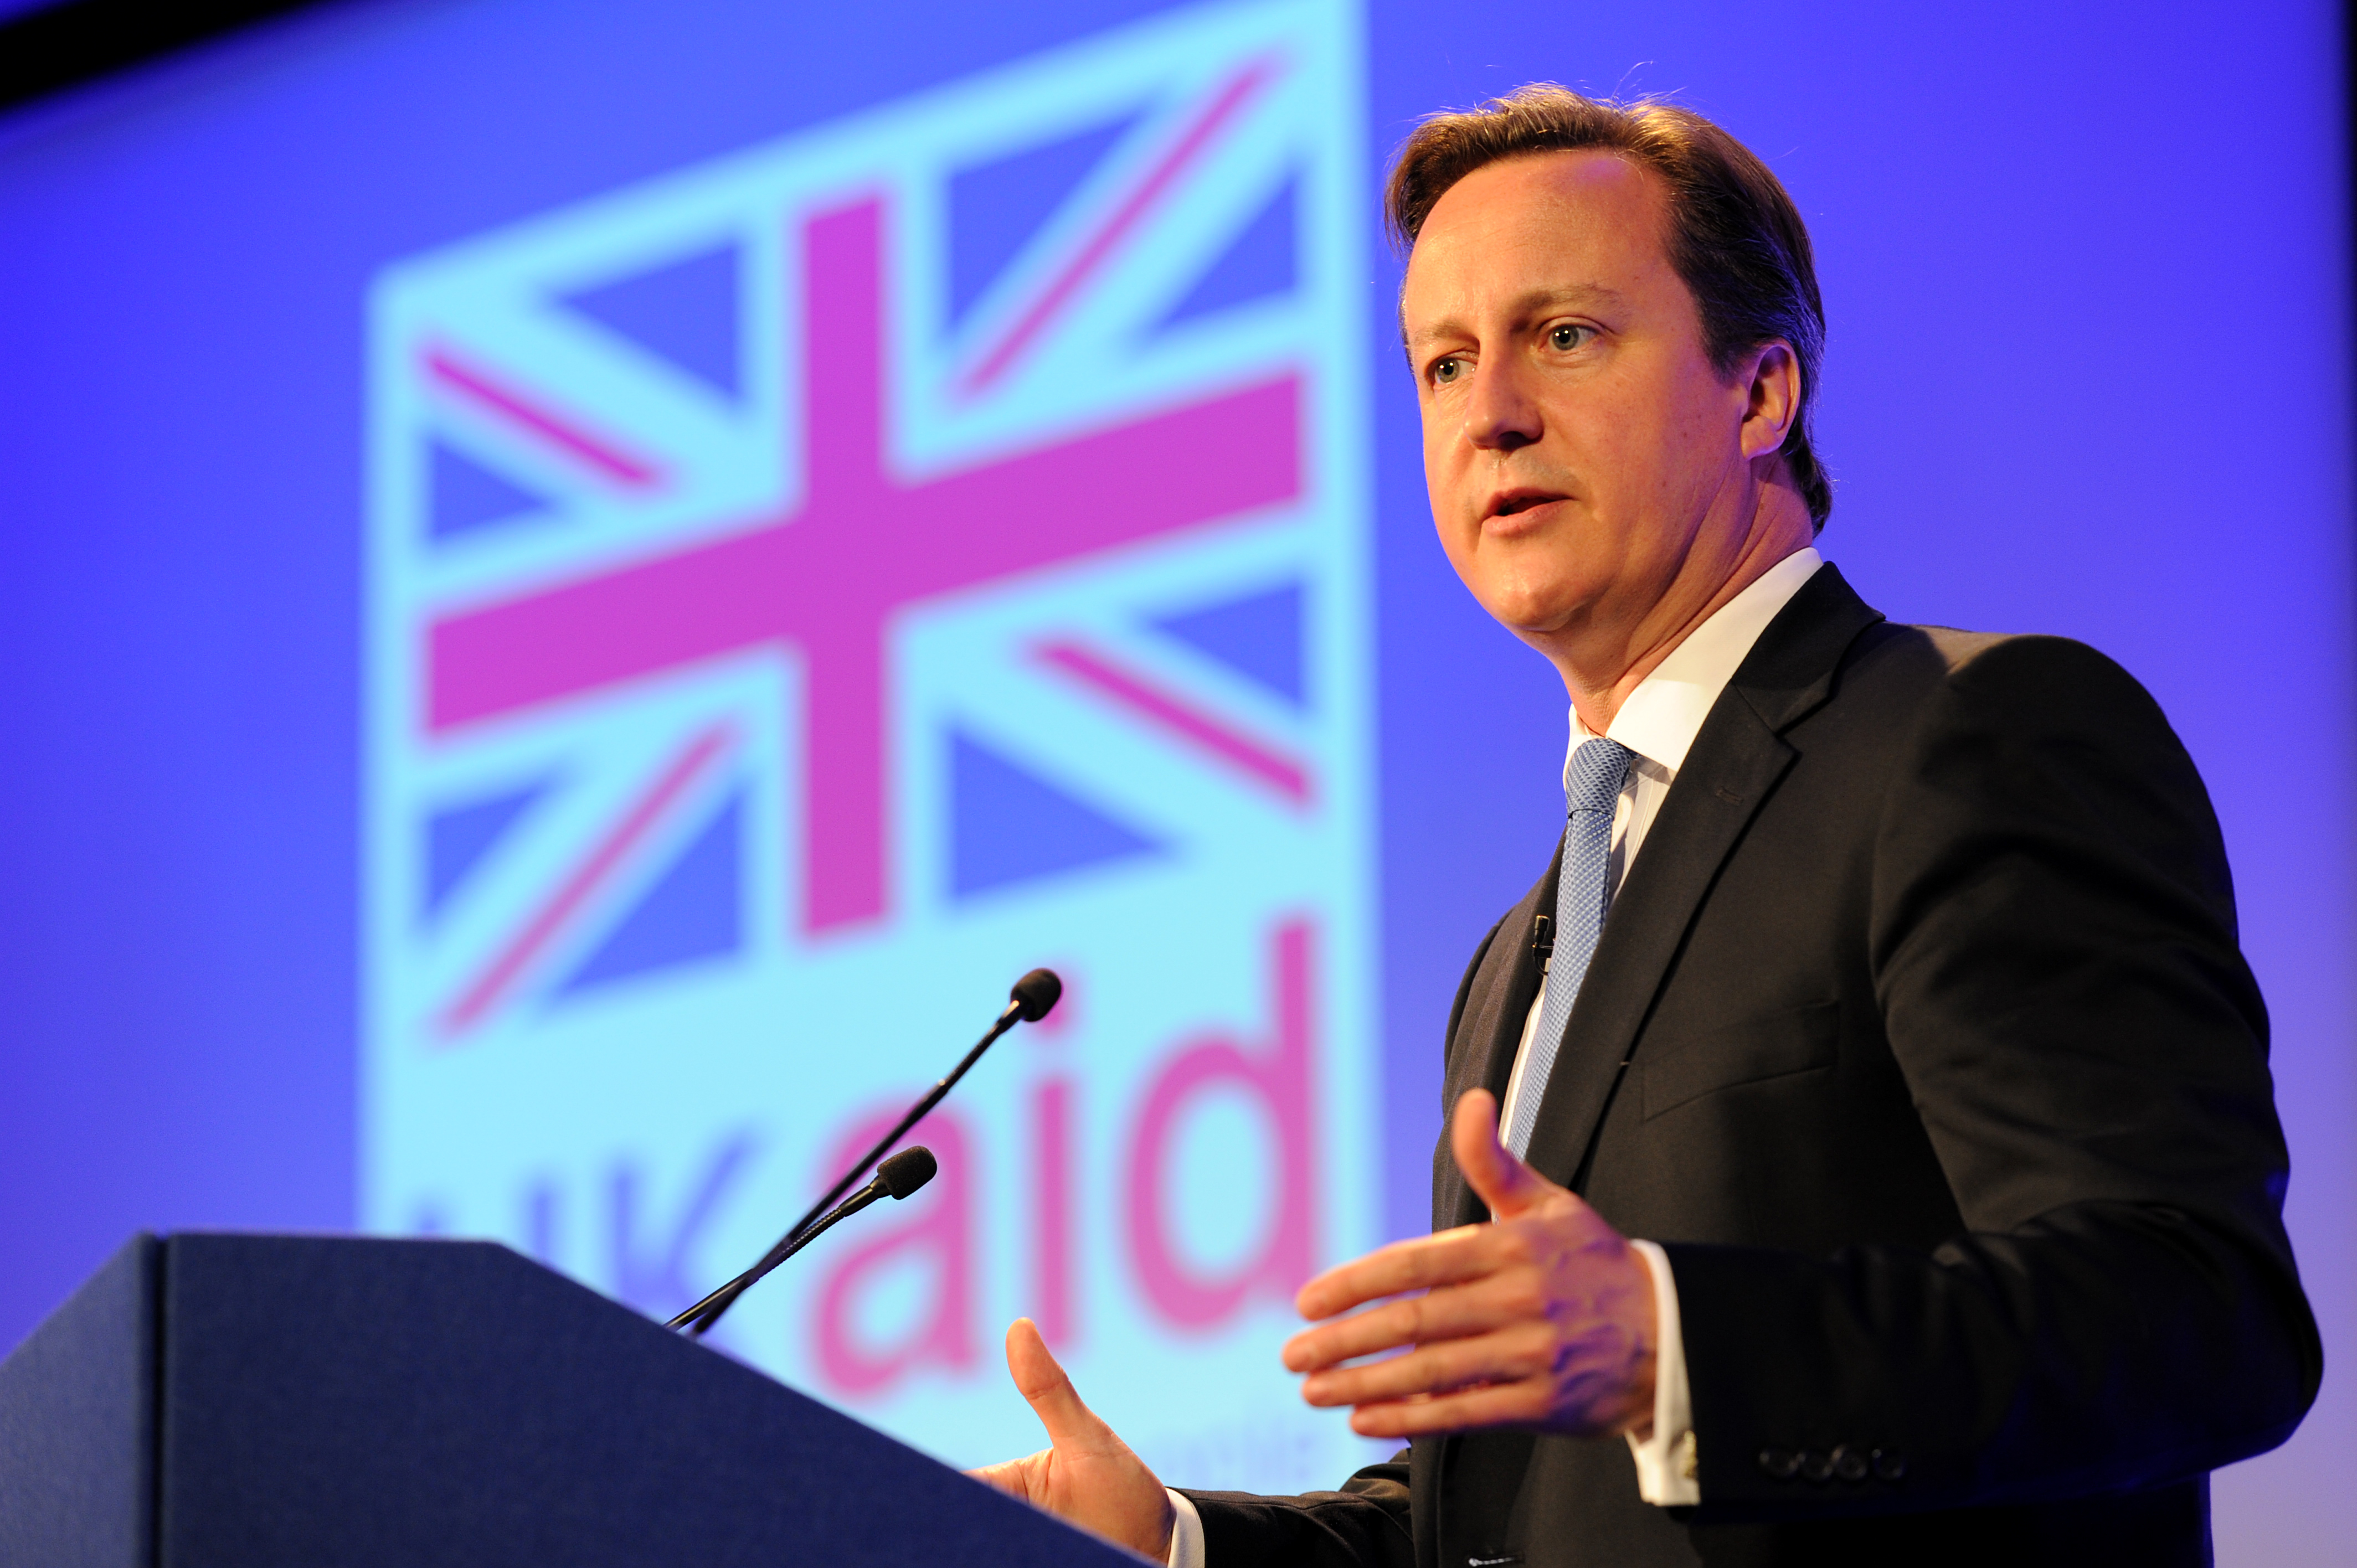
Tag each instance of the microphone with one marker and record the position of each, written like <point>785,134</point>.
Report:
<point>1028,1001</point>
<point>899,1178</point>
<point>896,1178</point>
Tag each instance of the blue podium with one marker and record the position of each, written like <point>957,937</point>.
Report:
<point>270,1401</point>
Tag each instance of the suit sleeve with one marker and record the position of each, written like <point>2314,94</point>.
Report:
<point>2053,950</point>
<point>1364,1525</point>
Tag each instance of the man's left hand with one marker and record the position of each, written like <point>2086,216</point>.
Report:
<point>1540,1320</point>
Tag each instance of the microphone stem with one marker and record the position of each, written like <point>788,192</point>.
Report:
<point>721,1300</point>
<point>699,1318</point>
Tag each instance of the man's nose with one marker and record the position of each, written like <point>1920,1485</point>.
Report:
<point>1500,415</point>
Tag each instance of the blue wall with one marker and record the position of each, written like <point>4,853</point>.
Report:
<point>2088,282</point>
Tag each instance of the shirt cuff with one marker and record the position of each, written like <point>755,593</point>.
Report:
<point>1185,1532</point>
<point>1665,1461</point>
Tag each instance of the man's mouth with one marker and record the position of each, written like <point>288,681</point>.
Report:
<point>1507,503</point>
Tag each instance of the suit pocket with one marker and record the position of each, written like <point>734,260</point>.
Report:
<point>1672,1073</point>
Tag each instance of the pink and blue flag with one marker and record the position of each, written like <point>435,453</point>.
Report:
<point>809,588</point>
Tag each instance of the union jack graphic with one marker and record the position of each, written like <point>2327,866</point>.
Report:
<point>823,573</point>
<point>855,561</point>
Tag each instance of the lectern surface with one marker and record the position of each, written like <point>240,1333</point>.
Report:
<point>260,1400</point>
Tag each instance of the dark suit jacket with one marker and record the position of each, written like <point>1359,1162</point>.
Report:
<point>1918,1037</point>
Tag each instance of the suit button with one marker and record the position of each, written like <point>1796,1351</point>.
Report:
<point>1888,1464</point>
<point>1816,1466</point>
<point>1781,1464</point>
<point>1849,1464</point>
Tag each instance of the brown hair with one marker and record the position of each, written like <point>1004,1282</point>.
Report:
<point>1735,236</point>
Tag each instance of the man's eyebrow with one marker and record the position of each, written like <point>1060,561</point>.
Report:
<point>1540,299</point>
<point>1537,301</point>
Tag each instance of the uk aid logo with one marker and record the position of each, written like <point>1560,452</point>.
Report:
<point>808,590</point>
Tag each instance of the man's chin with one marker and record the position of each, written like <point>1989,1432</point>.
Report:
<point>1535,611</point>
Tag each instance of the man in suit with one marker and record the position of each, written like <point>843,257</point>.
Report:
<point>1884,982</point>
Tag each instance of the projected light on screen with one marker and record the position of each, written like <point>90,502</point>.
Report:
<point>810,588</point>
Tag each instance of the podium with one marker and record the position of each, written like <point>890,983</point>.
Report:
<point>270,1401</point>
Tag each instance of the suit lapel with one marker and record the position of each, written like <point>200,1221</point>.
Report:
<point>1482,1055</point>
<point>1736,761</point>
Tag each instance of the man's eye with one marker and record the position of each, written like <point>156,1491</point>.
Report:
<point>1447,370</point>
<point>1568,335</point>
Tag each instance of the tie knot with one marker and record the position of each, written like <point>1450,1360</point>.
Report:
<point>1598,769</point>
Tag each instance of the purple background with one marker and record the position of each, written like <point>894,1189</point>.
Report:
<point>2088,282</point>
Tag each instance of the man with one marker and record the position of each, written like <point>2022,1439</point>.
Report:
<point>1916,1043</point>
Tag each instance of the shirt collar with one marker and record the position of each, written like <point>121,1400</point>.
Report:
<point>1661,718</point>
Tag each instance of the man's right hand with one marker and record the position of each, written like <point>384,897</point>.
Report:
<point>1085,1476</point>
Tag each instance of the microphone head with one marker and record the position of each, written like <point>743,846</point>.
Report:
<point>1036,992</point>
<point>907,1171</point>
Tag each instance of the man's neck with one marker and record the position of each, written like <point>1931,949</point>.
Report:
<point>1604,664</point>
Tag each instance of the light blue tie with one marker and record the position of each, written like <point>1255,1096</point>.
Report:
<point>1583,890</point>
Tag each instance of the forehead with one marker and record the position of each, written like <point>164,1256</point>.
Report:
<point>1558,222</point>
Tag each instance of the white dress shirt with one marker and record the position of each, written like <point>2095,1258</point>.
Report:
<point>1659,722</point>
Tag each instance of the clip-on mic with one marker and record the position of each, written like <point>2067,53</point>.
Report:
<point>1028,1002</point>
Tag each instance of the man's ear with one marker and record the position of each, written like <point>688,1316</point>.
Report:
<point>1772,398</point>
